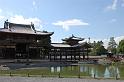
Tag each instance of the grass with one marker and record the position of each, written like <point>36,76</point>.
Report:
<point>73,72</point>
<point>26,72</point>
<point>44,72</point>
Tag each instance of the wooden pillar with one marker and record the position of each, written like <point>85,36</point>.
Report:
<point>71,56</point>
<point>66,57</point>
<point>50,57</point>
<point>37,50</point>
<point>75,56</point>
<point>83,56</point>
<point>79,57</point>
<point>27,51</point>
<point>87,54</point>
<point>50,54</point>
<point>60,57</point>
<point>54,55</point>
<point>61,51</point>
<point>15,53</point>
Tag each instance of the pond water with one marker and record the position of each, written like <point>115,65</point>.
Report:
<point>90,70</point>
<point>104,71</point>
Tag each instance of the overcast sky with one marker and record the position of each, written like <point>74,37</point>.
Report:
<point>97,19</point>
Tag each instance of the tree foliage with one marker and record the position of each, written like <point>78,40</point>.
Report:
<point>98,48</point>
<point>121,47</point>
<point>101,50</point>
<point>112,46</point>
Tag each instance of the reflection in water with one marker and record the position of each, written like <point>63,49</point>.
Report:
<point>96,73</point>
<point>55,69</point>
<point>107,73</point>
<point>52,69</point>
<point>118,73</point>
<point>81,68</point>
<point>104,71</point>
<point>84,68</point>
<point>114,71</point>
<point>92,72</point>
<point>58,69</point>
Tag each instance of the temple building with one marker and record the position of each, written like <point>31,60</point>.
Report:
<point>21,41</point>
<point>70,49</point>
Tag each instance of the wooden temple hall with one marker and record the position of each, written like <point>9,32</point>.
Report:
<point>20,41</point>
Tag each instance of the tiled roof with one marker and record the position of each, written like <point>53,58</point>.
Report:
<point>84,44</point>
<point>60,45</point>
<point>67,45</point>
<point>22,28</point>
<point>73,38</point>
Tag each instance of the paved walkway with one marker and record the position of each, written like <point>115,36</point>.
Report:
<point>38,79</point>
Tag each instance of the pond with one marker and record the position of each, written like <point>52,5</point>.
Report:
<point>102,71</point>
<point>73,70</point>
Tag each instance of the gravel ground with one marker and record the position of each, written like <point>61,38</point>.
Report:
<point>38,79</point>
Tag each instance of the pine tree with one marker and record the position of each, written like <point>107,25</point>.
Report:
<point>121,47</point>
<point>98,48</point>
<point>112,46</point>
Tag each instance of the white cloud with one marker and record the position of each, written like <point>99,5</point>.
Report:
<point>34,5</point>
<point>118,39</point>
<point>73,22</point>
<point>2,17</point>
<point>22,20</point>
<point>19,19</point>
<point>122,3</point>
<point>112,20</point>
<point>105,41</point>
<point>0,10</point>
<point>113,6</point>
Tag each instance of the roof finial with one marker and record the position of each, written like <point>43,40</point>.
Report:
<point>6,20</point>
<point>89,40</point>
<point>32,26</point>
<point>6,24</point>
<point>72,35</point>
